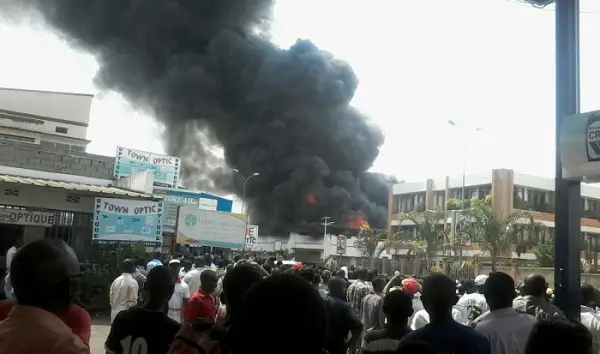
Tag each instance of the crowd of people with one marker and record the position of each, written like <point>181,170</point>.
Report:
<point>185,306</point>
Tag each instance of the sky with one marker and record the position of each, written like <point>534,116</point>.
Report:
<point>481,63</point>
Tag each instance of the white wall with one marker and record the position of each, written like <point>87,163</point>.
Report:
<point>46,198</point>
<point>66,106</point>
<point>439,184</point>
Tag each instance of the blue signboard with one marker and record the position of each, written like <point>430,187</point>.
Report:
<point>174,198</point>
<point>127,220</point>
<point>166,168</point>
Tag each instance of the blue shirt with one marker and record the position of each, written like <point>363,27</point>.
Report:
<point>153,263</point>
<point>450,338</point>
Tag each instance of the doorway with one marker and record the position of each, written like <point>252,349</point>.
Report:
<point>8,235</point>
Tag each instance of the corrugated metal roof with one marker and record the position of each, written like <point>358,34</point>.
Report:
<point>71,186</point>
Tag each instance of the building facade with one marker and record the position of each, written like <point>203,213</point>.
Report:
<point>41,117</point>
<point>510,190</point>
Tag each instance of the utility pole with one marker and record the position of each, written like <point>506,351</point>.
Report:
<point>326,223</point>
<point>567,269</point>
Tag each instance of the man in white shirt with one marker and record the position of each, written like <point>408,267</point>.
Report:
<point>474,304</point>
<point>421,318</point>
<point>124,290</point>
<point>589,318</point>
<point>181,293</point>
<point>192,278</point>
<point>8,290</point>
<point>505,328</point>
<point>155,261</point>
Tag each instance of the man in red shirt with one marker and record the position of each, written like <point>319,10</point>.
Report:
<point>203,303</point>
<point>75,318</point>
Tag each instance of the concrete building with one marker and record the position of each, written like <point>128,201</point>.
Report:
<point>47,181</point>
<point>509,190</point>
<point>40,117</point>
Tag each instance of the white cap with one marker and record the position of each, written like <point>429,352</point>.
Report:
<point>174,261</point>
<point>481,279</point>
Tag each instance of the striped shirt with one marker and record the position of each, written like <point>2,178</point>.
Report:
<point>356,293</point>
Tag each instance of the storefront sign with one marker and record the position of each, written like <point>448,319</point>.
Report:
<point>251,236</point>
<point>24,217</point>
<point>174,198</point>
<point>166,168</point>
<point>127,220</point>
<point>210,228</point>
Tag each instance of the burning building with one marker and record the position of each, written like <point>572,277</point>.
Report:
<point>207,71</point>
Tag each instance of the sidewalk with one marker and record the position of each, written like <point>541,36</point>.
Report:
<point>100,330</point>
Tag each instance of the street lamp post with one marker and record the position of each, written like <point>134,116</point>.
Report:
<point>464,180</point>
<point>464,167</point>
<point>246,179</point>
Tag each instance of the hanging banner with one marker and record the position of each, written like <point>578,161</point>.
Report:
<point>127,220</point>
<point>210,228</point>
<point>166,168</point>
<point>251,236</point>
<point>341,246</point>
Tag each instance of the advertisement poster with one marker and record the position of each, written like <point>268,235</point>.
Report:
<point>251,236</point>
<point>210,228</point>
<point>127,220</point>
<point>174,198</point>
<point>166,168</point>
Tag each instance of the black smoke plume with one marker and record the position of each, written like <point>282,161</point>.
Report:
<point>208,72</point>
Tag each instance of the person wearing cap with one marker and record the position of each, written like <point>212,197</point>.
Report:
<point>124,290</point>
<point>411,287</point>
<point>181,294</point>
<point>34,324</point>
<point>473,305</point>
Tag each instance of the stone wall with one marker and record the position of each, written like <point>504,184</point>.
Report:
<point>53,157</point>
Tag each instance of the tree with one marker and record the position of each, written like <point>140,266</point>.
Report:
<point>371,243</point>
<point>429,231</point>
<point>496,235</point>
<point>544,255</point>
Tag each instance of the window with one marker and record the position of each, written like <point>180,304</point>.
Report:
<point>17,138</point>
<point>61,130</point>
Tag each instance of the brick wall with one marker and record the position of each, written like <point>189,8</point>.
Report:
<point>54,157</point>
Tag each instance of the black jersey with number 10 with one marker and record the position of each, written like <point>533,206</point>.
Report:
<point>141,331</point>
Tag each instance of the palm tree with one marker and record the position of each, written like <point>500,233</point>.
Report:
<point>495,234</point>
<point>430,234</point>
<point>371,243</point>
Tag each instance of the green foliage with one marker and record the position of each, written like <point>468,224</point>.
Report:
<point>496,235</point>
<point>430,234</point>
<point>544,255</point>
<point>371,243</point>
<point>453,204</point>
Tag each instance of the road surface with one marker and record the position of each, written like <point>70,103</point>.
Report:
<point>100,329</point>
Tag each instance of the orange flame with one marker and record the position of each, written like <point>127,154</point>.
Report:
<point>358,222</point>
<point>310,198</point>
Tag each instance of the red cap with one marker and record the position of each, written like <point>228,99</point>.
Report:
<point>297,266</point>
<point>410,286</point>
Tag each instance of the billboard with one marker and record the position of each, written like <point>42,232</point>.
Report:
<point>127,220</point>
<point>166,168</point>
<point>174,198</point>
<point>210,228</point>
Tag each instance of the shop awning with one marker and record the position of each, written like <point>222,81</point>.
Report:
<point>71,186</point>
